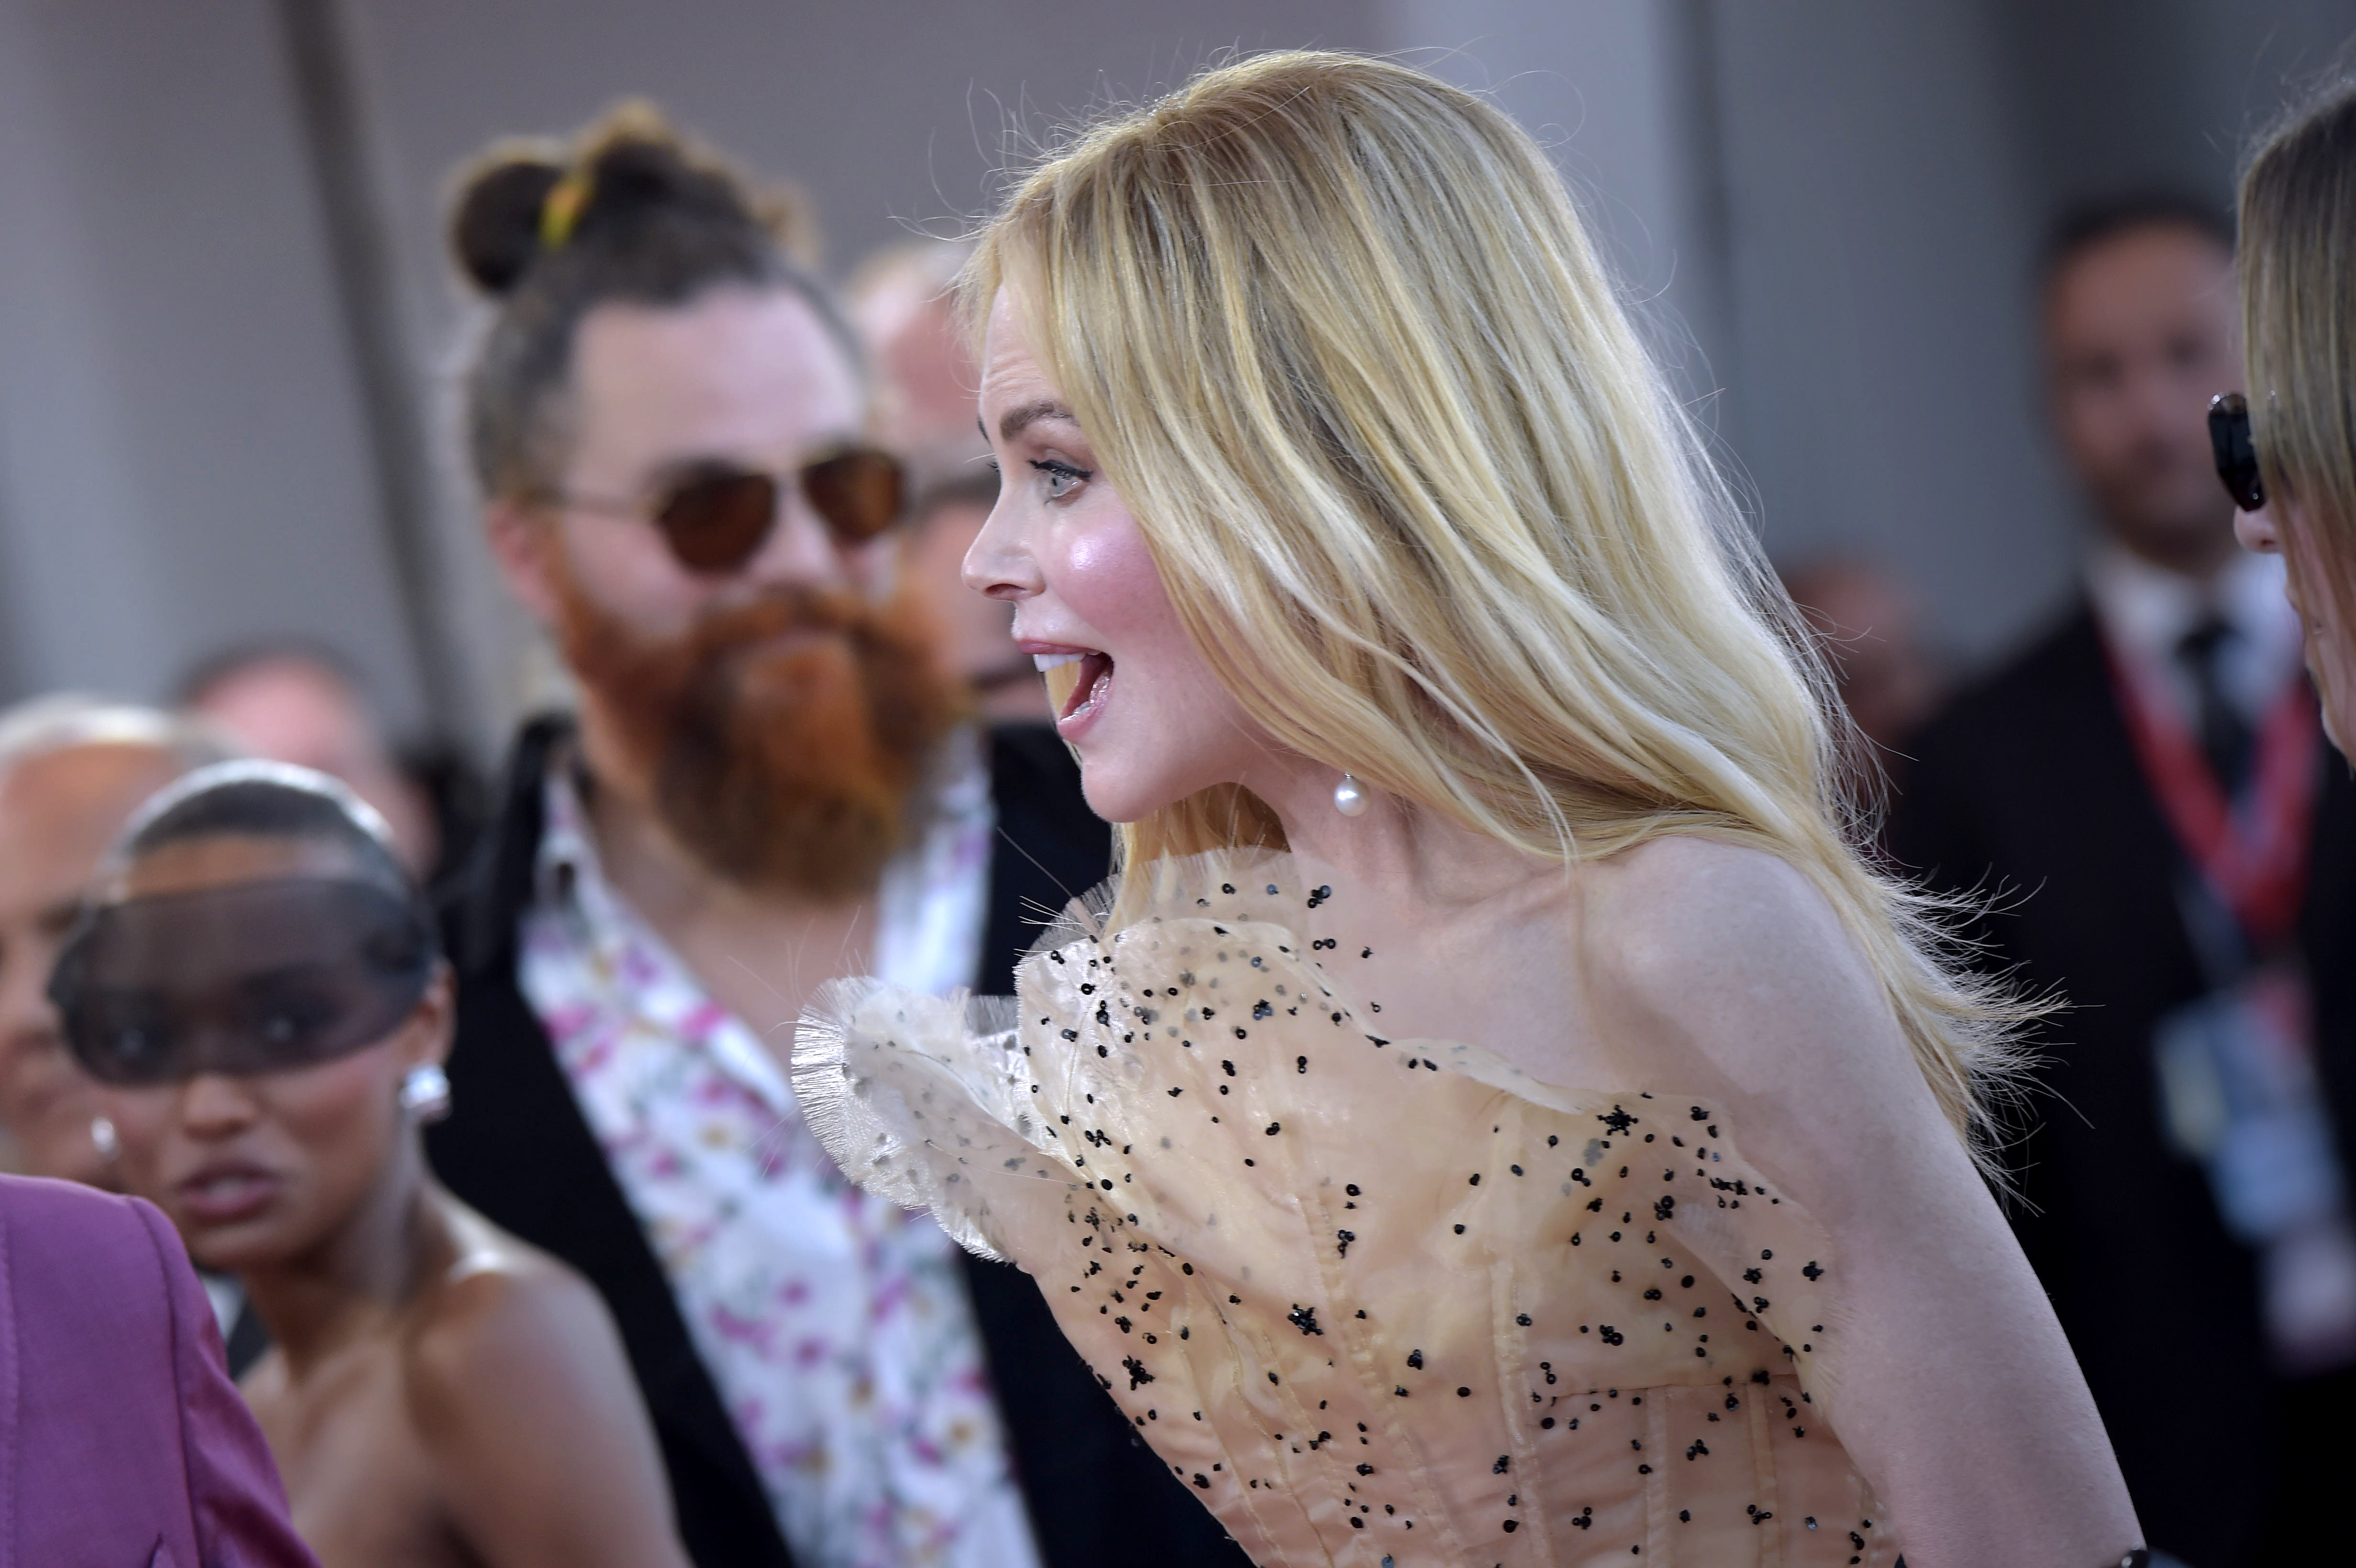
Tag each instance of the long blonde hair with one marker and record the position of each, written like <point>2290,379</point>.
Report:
<point>1423,499</point>
<point>2298,326</point>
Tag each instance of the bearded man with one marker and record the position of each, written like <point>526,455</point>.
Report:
<point>769,781</point>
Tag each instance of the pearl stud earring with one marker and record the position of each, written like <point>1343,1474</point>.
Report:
<point>102,1138</point>
<point>1350,797</point>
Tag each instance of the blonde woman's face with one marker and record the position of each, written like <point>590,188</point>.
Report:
<point>1133,695</point>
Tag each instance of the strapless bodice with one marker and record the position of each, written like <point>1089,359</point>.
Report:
<point>1378,1301</point>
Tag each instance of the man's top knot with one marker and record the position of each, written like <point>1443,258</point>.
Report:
<point>628,174</point>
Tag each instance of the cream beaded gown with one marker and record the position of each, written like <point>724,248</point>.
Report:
<point>1380,1301</point>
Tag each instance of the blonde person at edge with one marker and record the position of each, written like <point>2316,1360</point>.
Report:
<point>2298,333</point>
<point>1497,1118</point>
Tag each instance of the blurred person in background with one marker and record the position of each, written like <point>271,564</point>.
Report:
<point>902,301</point>
<point>302,703</point>
<point>769,781</point>
<point>1871,626</point>
<point>72,769</point>
<point>257,988</point>
<point>2147,792</point>
<point>126,1441</point>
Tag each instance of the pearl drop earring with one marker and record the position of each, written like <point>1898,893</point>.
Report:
<point>1350,797</point>
<point>102,1138</point>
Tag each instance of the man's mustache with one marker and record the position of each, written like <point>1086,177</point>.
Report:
<point>778,612</point>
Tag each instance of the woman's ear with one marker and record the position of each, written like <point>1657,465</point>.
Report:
<point>433,1021</point>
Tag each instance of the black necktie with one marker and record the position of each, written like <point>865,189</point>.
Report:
<point>2224,735</point>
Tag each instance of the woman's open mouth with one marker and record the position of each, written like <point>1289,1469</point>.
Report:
<point>1091,684</point>
<point>226,1191</point>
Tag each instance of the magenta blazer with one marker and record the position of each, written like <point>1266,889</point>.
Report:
<point>121,1439</point>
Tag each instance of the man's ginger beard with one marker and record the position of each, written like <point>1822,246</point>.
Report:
<point>780,768</point>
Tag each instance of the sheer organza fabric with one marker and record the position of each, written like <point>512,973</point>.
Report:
<point>1379,1301</point>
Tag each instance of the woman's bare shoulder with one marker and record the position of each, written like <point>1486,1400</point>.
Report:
<point>1724,962</point>
<point>505,1315</point>
<point>519,1387</point>
<point>1681,909</point>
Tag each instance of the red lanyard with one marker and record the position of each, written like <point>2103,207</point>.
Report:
<point>2255,859</point>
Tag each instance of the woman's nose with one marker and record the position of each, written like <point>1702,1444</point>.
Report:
<point>215,1103</point>
<point>2256,531</point>
<point>999,565</point>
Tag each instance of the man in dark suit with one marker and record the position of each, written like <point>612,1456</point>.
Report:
<point>768,784</point>
<point>2170,846</point>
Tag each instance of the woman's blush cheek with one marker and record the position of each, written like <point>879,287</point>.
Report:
<point>1110,578</point>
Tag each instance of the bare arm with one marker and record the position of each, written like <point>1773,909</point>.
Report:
<point>538,1437</point>
<point>1950,1382</point>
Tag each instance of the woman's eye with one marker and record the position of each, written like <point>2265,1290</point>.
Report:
<point>1062,477</point>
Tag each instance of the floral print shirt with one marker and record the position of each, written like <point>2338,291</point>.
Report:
<point>835,1325</point>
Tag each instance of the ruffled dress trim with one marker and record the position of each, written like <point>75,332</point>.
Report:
<point>1376,1300</point>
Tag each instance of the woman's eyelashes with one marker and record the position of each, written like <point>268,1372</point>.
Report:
<point>1063,478</point>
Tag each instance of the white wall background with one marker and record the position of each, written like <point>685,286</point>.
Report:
<point>1882,217</point>
<point>182,457</point>
<point>1828,209</point>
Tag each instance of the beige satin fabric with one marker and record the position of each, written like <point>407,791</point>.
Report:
<point>1377,1301</point>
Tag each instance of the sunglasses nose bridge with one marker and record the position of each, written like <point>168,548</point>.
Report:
<point>798,545</point>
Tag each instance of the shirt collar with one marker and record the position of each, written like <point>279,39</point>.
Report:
<point>2146,610</point>
<point>566,867</point>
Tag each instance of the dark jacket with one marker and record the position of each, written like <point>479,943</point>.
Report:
<point>2028,788</point>
<point>518,1148</point>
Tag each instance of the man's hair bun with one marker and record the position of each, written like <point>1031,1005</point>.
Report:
<point>639,169</point>
<point>496,225</point>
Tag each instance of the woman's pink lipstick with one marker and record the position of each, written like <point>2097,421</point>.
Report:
<point>1089,690</point>
<point>226,1192</point>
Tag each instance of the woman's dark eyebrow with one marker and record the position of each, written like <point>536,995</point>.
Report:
<point>1018,420</point>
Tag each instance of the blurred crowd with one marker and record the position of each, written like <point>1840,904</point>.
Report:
<point>496,1197</point>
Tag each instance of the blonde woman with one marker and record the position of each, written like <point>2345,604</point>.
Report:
<point>2296,481</point>
<point>1498,1117</point>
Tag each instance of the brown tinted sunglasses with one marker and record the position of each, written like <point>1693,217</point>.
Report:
<point>716,517</point>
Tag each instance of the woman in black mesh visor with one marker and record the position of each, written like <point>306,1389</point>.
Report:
<point>258,990</point>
